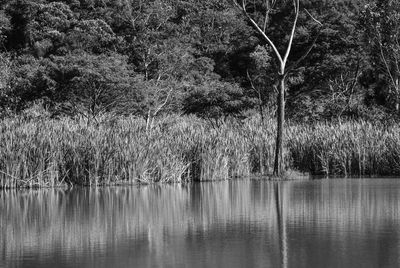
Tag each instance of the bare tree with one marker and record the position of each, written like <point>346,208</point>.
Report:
<point>283,68</point>
<point>158,98</point>
<point>5,72</point>
<point>382,28</point>
<point>258,91</point>
<point>342,90</point>
<point>390,57</point>
<point>5,78</point>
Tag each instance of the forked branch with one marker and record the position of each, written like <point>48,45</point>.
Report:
<point>261,29</point>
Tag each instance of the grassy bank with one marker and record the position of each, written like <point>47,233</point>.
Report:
<point>40,153</point>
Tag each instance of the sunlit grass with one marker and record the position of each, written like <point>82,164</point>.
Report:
<point>49,153</point>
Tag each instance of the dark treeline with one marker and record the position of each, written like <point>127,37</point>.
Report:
<point>148,57</point>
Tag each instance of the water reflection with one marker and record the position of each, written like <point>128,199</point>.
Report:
<point>340,223</point>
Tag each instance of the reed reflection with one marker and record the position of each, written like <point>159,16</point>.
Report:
<point>219,224</point>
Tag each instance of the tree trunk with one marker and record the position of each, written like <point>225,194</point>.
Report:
<point>278,165</point>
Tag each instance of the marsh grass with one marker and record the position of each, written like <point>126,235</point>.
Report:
<point>51,153</point>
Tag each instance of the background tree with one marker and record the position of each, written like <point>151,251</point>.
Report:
<point>93,84</point>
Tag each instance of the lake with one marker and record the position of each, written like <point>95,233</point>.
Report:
<point>238,223</point>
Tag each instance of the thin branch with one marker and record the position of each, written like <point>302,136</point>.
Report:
<point>252,85</point>
<point>266,19</point>
<point>385,62</point>
<point>296,63</point>
<point>356,75</point>
<point>260,105</point>
<point>314,19</point>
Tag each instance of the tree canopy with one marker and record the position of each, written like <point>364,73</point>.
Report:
<point>201,57</point>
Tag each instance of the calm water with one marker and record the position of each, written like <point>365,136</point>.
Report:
<point>335,223</point>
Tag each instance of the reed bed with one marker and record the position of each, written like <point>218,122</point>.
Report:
<point>59,152</point>
<point>349,149</point>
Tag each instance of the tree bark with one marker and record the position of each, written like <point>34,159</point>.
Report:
<point>278,165</point>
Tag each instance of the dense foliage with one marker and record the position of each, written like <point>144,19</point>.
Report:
<point>146,58</point>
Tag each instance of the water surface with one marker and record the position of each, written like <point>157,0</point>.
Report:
<point>324,223</point>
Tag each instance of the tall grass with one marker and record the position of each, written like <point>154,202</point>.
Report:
<point>349,149</point>
<point>47,152</point>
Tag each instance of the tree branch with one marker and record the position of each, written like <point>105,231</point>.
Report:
<point>296,4</point>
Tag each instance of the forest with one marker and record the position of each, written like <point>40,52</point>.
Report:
<point>99,91</point>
